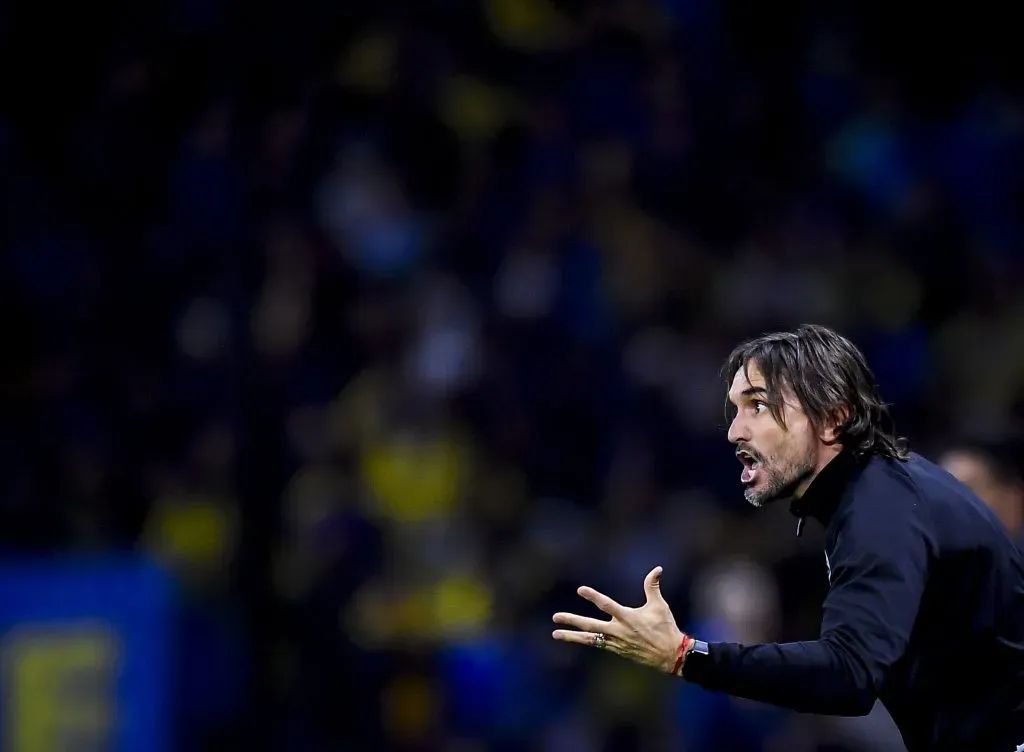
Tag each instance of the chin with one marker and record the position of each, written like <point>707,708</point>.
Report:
<point>755,497</point>
<point>759,495</point>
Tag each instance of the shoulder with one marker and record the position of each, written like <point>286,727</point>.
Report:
<point>884,486</point>
<point>886,506</point>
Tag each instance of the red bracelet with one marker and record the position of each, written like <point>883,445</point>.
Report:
<point>684,648</point>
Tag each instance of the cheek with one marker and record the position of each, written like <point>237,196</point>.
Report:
<point>786,447</point>
<point>770,442</point>
<point>804,444</point>
<point>801,433</point>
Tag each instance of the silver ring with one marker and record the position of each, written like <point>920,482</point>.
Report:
<point>599,641</point>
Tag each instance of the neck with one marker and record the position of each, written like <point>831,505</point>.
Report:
<point>823,493</point>
<point>825,455</point>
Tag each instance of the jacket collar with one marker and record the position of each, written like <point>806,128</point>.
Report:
<point>827,489</point>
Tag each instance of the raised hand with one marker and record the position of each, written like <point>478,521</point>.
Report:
<point>647,635</point>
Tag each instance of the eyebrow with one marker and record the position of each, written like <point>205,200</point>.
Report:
<point>750,391</point>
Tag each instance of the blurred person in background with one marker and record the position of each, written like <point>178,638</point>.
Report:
<point>734,600</point>
<point>914,559</point>
<point>992,467</point>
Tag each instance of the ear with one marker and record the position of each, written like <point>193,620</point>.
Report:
<point>830,431</point>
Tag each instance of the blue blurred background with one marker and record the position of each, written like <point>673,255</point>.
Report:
<point>347,339</point>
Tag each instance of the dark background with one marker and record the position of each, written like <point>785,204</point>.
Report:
<point>383,326</point>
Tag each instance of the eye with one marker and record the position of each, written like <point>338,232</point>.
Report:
<point>759,407</point>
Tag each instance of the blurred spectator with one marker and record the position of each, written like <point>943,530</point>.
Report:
<point>991,467</point>
<point>734,601</point>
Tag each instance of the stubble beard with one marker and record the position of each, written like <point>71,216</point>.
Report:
<point>782,478</point>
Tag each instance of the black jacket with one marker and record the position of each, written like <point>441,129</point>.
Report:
<point>925,612</point>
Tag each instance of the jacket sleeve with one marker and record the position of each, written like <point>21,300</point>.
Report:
<point>879,567</point>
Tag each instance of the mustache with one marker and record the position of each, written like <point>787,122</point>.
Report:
<point>749,450</point>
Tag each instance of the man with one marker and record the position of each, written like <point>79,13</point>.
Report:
<point>925,609</point>
<point>993,469</point>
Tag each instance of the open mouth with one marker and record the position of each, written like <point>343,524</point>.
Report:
<point>751,464</point>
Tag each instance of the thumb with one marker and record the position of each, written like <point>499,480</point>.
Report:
<point>652,585</point>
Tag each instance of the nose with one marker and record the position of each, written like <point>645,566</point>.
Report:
<point>738,430</point>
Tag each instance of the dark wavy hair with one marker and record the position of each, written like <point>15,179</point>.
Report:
<point>831,380</point>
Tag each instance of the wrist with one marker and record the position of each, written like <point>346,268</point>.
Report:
<point>686,644</point>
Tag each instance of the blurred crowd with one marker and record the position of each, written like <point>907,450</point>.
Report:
<point>386,325</point>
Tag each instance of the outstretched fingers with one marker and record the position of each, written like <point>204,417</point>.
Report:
<point>590,639</point>
<point>603,602</point>
<point>584,623</point>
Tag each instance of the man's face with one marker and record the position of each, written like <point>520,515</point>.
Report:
<point>777,460</point>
